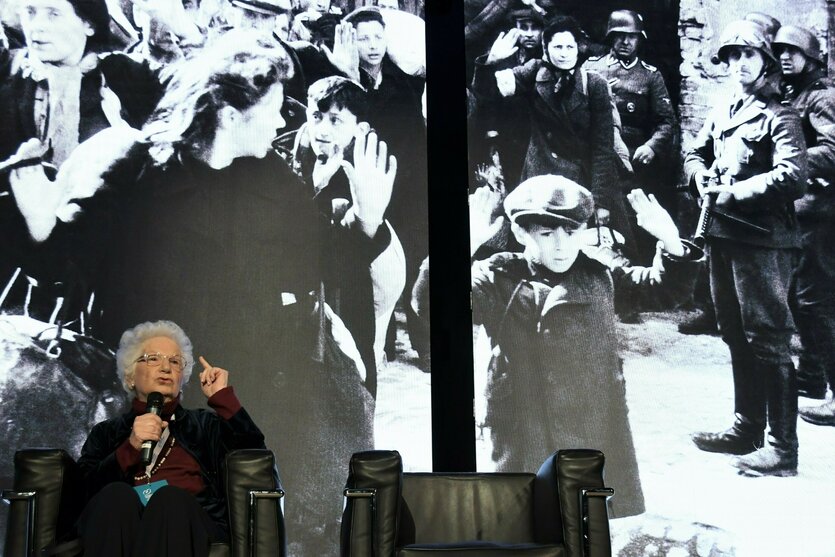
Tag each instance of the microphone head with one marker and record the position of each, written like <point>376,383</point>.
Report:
<point>155,400</point>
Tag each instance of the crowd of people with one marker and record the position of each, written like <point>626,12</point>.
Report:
<point>254,170</point>
<point>563,139</point>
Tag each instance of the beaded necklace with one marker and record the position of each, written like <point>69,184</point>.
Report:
<point>158,465</point>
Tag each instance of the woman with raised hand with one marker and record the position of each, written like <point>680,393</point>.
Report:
<point>174,503</point>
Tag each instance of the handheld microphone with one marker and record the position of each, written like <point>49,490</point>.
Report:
<point>154,406</point>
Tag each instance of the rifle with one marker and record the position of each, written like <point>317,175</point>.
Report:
<point>709,211</point>
<point>705,218</point>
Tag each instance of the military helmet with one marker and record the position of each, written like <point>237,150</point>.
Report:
<point>801,38</point>
<point>625,21</point>
<point>745,33</point>
<point>769,23</point>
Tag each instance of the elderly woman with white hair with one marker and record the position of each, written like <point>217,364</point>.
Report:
<point>186,508</point>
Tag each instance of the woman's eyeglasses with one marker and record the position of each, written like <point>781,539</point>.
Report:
<point>156,359</point>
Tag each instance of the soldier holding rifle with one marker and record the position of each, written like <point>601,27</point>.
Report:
<point>751,155</point>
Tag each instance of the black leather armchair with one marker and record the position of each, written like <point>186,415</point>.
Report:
<point>45,503</point>
<point>561,511</point>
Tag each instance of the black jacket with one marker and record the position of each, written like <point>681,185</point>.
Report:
<point>203,434</point>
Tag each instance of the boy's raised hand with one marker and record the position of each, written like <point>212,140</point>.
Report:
<point>653,218</point>
<point>483,222</point>
<point>371,177</point>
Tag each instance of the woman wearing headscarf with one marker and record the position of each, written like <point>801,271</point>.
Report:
<point>570,112</point>
<point>175,503</point>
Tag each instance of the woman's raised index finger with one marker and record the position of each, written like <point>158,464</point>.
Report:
<point>206,365</point>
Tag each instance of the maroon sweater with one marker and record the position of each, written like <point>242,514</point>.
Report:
<point>180,469</point>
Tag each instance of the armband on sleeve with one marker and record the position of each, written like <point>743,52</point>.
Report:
<point>506,82</point>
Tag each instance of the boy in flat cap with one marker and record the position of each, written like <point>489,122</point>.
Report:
<point>549,315</point>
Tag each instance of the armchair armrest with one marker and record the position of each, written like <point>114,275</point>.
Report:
<point>45,501</point>
<point>255,498</point>
<point>571,500</point>
<point>595,514</point>
<point>579,474</point>
<point>20,531</point>
<point>372,504</point>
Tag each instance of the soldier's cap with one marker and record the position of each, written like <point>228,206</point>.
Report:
<point>549,199</point>
<point>268,7</point>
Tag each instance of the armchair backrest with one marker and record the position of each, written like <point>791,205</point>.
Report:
<point>253,491</point>
<point>54,476</point>
<point>445,508</point>
<point>370,524</point>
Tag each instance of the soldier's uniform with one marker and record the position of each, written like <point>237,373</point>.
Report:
<point>755,142</point>
<point>642,101</point>
<point>647,116</point>
<point>813,95</point>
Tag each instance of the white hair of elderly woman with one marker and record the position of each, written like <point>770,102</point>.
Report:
<point>130,348</point>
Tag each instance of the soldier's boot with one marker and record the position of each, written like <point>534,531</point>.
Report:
<point>768,461</point>
<point>746,435</point>
<point>809,386</point>
<point>741,438</point>
<point>811,381</point>
<point>819,415</point>
<point>779,458</point>
<point>825,413</point>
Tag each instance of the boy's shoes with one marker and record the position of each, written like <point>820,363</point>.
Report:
<point>819,415</point>
<point>769,461</point>
<point>730,441</point>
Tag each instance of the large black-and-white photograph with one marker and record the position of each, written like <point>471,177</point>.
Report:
<point>222,202</point>
<point>651,217</point>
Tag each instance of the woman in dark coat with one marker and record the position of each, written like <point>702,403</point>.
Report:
<point>570,112</point>
<point>205,224</point>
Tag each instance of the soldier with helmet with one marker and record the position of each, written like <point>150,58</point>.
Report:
<point>769,23</point>
<point>642,101</point>
<point>807,88</point>
<point>749,159</point>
